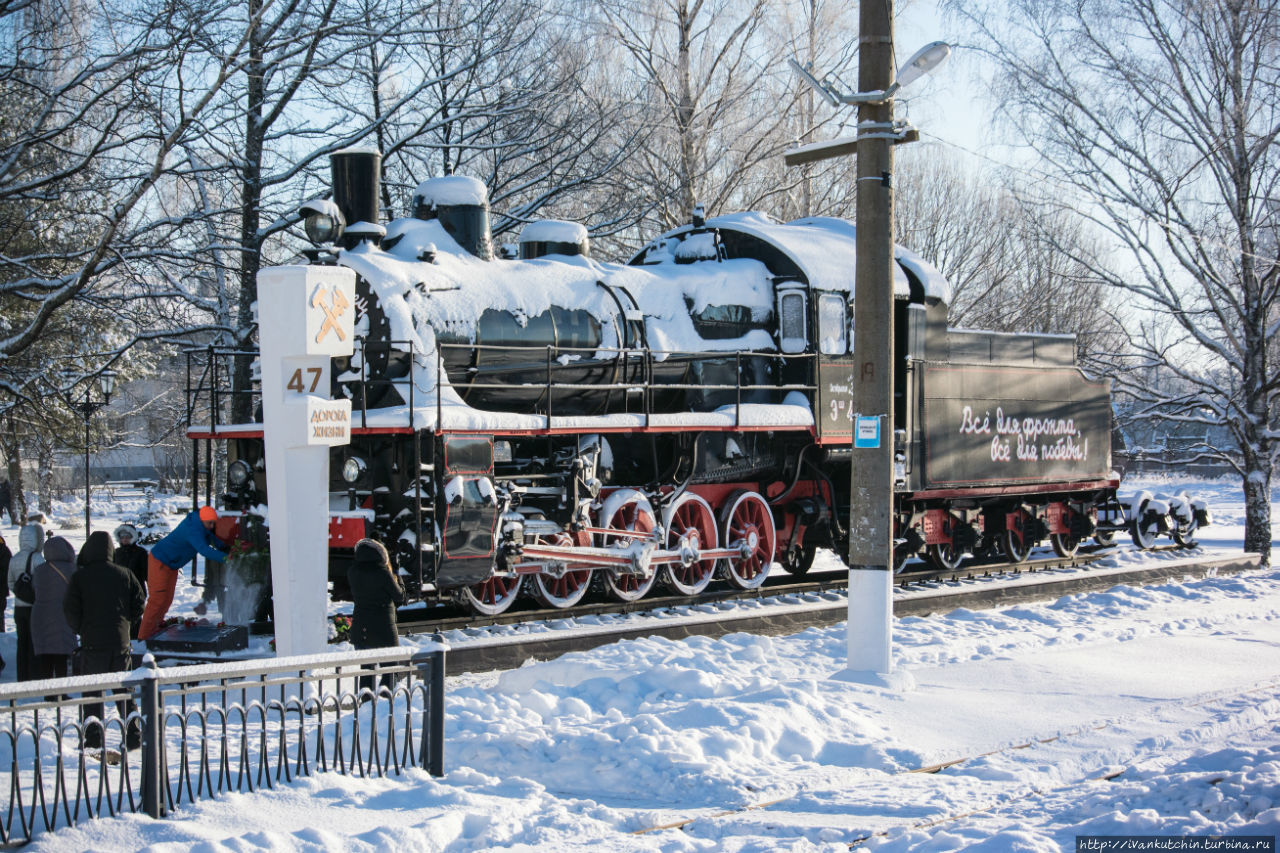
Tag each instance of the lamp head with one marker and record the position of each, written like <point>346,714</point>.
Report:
<point>922,62</point>
<point>107,381</point>
<point>323,221</point>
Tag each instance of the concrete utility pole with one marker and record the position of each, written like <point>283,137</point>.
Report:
<point>871,503</point>
<point>871,509</point>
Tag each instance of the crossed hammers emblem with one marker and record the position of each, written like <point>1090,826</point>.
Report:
<point>331,315</point>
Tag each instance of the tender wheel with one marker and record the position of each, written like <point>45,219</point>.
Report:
<point>494,596</point>
<point>1064,544</point>
<point>945,556</point>
<point>1144,532</point>
<point>1016,548</point>
<point>1184,533</point>
<point>567,589</point>
<point>627,509</point>
<point>1104,537</point>
<point>747,523</point>
<point>691,527</point>
<point>1016,542</point>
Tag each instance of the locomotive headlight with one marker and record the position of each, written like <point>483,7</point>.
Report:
<point>238,474</point>
<point>323,221</point>
<point>353,469</point>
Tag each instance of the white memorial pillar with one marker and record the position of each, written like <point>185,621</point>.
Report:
<point>306,315</point>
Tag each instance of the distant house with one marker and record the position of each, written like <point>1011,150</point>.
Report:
<point>144,425</point>
<point>1152,446</point>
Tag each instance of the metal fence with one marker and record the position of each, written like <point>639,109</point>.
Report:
<point>200,731</point>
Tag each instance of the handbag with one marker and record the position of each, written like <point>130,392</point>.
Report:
<point>23,588</point>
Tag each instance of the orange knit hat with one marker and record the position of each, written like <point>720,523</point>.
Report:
<point>208,513</point>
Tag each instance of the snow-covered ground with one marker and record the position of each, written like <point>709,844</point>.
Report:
<point>1152,711</point>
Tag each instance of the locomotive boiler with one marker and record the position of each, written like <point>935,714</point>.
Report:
<point>536,421</point>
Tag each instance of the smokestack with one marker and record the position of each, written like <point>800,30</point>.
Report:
<point>357,177</point>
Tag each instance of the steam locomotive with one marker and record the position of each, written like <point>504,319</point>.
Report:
<point>540,422</point>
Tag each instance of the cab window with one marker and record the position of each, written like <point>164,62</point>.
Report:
<point>833,338</point>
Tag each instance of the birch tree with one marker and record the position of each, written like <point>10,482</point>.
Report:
<point>1157,119</point>
<point>84,144</point>
<point>697,67</point>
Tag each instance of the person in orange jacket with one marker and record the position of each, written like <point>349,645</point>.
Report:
<point>192,536</point>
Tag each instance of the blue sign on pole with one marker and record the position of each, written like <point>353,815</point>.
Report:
<point>866,431</point>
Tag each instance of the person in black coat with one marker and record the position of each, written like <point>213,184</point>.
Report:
<point>133,557</point>
<point>5,556</point>
<point>102,600</point>
<point>376,591</point>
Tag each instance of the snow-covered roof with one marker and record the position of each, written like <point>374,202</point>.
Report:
<point>823,247</point>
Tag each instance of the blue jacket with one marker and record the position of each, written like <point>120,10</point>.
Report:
<point>188,539</point>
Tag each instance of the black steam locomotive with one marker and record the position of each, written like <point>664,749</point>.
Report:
<point>539,422</point>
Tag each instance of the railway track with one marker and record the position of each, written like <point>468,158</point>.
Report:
<point>787,606</point>
<point>417,620</point>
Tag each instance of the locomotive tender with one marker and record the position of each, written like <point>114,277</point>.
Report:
<point>547,424</point>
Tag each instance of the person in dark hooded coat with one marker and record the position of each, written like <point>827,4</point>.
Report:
<point>51,636</point>
<point>5,556</point>
<point>102,601</point>
<point>376,591</point>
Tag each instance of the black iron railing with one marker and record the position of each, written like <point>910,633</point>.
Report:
<point>210,372</point>
<point>542,377</point>
<point>205,730</point>
<point>212,397</point>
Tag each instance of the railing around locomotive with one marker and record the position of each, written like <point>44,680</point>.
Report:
<point>623,360</point>
<point>213,374</point>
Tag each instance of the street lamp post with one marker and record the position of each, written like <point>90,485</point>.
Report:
<point>87,408</point>
<point>871,494</point>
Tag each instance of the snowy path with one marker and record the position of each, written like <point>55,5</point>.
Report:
<point>1176,685</point>
<point>582,752</point>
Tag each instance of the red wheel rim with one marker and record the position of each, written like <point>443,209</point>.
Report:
<point>693,522</point>
<point>751,523</point>
<point>494,590</point>
<point>567,589</point>
<point>637,518</point>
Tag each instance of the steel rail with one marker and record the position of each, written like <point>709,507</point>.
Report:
<point>782,618</point>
